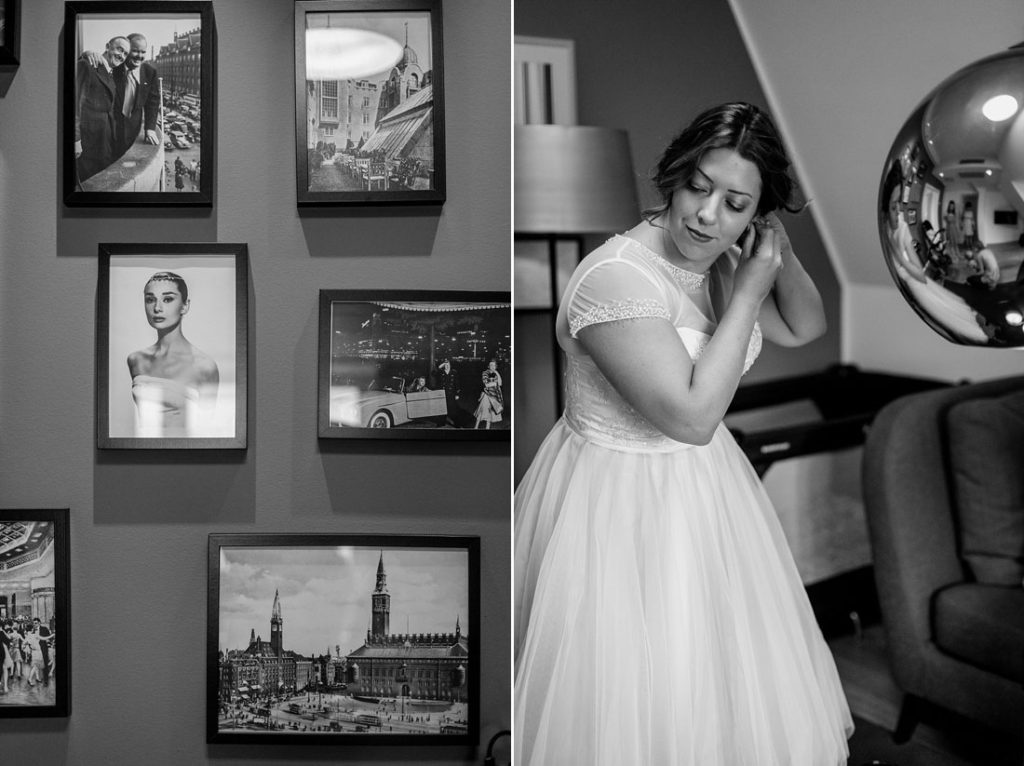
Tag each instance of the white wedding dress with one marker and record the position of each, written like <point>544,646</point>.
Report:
<point>659,617</point>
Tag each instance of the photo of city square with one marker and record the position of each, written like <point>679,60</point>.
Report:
<point>28,629</point>
<point>420,364</point>
<point>345,640</point>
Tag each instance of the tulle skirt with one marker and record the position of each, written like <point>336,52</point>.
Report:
<point>660,618</point>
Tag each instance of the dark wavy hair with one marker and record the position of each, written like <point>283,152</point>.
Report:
<point>170,276</point>
<point>749,132</point>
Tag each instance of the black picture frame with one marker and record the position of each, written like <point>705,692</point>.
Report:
<point>176,94</point>
<point>370,683</point>
<point>34,556</point>
<point>10,35</point>
<point>205,408</point>
<point>391,120</point>
<point>380,355</point>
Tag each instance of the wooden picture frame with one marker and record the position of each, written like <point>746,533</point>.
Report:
<point>186,386</point>
<point>331,667</point>
<point>35,611</point>
<point>145,154</point>
<point>10,35</point>
<point>411,364</point>
<point>369,129</point>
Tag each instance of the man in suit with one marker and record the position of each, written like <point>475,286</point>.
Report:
<point>95,93</point>
<point>138,96</point>
<point>447,378</point>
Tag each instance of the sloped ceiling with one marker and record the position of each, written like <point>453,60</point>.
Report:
<point>842,77</point>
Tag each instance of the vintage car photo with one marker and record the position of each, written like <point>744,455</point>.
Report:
<point>387,404</point>
<point>414,364</point>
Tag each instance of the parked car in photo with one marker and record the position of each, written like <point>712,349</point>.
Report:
<point>179,140</point>
<point>384,404</point>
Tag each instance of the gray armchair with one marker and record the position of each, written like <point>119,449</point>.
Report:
<point>952,641</point>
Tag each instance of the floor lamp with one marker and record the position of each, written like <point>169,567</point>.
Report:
<point>571,180</point>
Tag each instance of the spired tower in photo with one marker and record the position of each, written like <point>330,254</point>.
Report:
<point>406,79</point>
<point>381,601</point>
<point>276,627</point>
<point>424,666</point>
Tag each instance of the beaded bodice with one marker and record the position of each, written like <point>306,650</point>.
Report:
<point>593,408</point>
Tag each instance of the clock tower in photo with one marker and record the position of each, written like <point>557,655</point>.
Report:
<point>276,627</point>
<point>381,603</point>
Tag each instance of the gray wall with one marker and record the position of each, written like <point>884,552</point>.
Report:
<point>649,67</point>
<point>139,521</point>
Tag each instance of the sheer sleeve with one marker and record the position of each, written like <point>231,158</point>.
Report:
<point>611,291</point>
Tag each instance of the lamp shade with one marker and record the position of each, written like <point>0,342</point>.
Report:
<point>573,179</point>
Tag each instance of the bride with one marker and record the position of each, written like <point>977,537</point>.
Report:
<point>659,617</point>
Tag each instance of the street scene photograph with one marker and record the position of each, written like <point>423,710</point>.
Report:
<point>370,113</point>
<point>138,113</point>
<point>345,640</point>
<point>420,364</point>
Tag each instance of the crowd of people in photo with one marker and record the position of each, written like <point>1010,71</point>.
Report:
<point>27,656</point>
<point>183,170</point>
<point>338,713</point>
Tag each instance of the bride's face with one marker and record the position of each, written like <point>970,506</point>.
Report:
<point>709,212</point>
<point>164,306</point>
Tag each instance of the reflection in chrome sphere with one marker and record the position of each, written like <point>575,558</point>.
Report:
<point>951,205</point>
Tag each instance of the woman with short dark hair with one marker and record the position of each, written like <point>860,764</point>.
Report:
<point>174,383</point>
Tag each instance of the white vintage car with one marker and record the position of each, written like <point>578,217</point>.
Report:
<point>384,405</point>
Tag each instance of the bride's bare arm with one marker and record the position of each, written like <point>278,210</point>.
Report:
<point>647,363</point>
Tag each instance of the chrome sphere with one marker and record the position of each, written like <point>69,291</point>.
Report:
<point>951,205</point>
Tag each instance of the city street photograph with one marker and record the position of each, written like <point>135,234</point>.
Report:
<point>371,82</point>
<point>139,99</point>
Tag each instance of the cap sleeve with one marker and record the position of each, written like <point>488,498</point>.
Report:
<point>614,290</point>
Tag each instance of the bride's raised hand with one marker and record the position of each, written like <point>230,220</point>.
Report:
<point>759,263</point>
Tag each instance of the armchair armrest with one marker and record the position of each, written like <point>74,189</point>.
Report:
<point>910,513</point>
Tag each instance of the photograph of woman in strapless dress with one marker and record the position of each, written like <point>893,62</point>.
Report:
<point>176,317</point>
<point>173,382</point>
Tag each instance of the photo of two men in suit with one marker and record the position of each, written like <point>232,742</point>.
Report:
<point>117,96</point>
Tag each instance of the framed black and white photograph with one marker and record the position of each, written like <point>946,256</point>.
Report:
<point>10,35</point>
<point>171,346</point>
<point>415,364</point>
<point>369,102</point>
<point>343,638</point>
<point>139,103</point>
<point>35,616</point>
